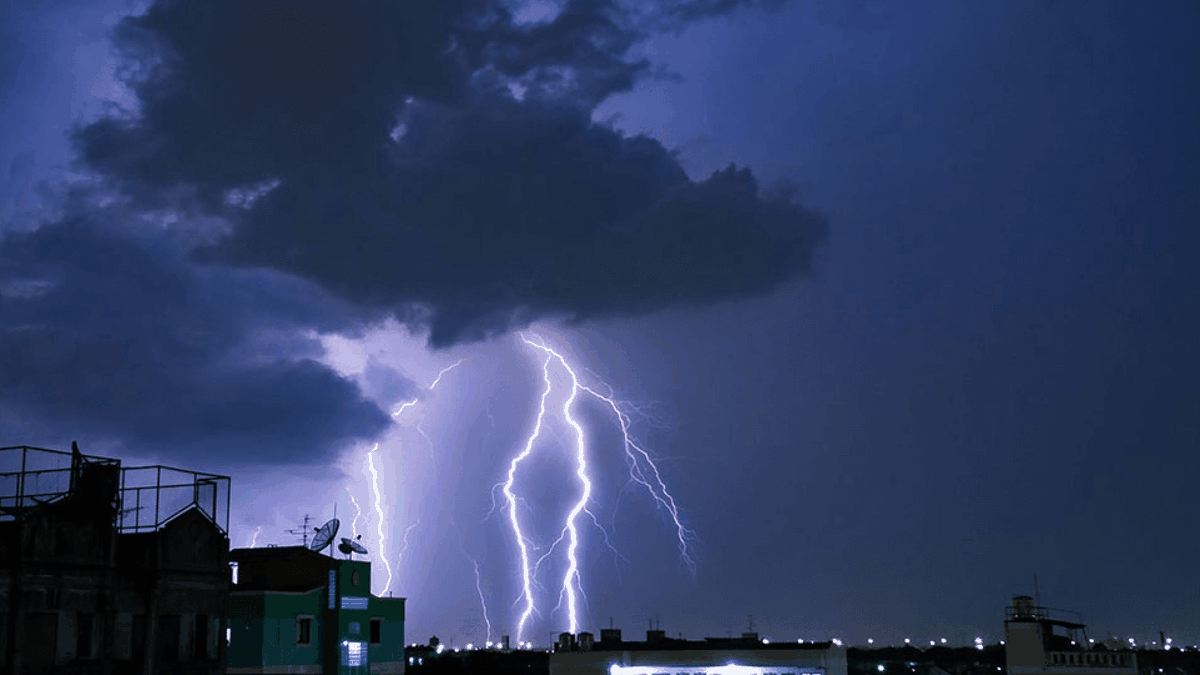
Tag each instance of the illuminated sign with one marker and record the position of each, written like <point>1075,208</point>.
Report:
<point>729,669</point>
<point>351,602</point>
<point>354,654</point>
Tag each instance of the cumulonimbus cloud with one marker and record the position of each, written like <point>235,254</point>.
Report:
<point>438,160</point>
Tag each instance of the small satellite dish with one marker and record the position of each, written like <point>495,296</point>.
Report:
<point>325,535</point>
<point>349,546</point>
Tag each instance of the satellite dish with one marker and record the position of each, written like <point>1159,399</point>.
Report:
<point>324,536</point>
<point>349,546</point>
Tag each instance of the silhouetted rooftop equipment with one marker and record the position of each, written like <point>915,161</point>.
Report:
<point>147,496</point>
<point>325,535</point>
<point>350,546</point>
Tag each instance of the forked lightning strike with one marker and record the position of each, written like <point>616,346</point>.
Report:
<point>377,495</point>
<point>379,517</point>
<point>511,498</point>
<point>637,458</point>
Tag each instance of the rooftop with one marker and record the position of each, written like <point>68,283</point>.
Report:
<point>146,497</point>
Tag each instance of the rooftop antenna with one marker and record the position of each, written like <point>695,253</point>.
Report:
<point>303,531</point>
<point>751,629</point>
<point>1037,595</point>
<point>324,536</point>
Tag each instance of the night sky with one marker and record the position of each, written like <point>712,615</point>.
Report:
<point>900,296</point>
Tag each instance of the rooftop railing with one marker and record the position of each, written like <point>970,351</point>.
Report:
<point>146,499</point>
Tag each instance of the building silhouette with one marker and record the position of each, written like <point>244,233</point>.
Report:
<point>658,654</point>
<point>106,569</point>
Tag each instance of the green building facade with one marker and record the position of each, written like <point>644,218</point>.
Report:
<point>296,611</point>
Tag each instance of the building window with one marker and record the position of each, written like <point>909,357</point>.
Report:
<point>376,631</point>
<point>304,630</point>
<point>83,636</point>
<point>355,628</point>
<point>200,638</point>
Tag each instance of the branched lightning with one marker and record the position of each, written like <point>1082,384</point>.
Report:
<point>658,490</point>
<point>643,471</point>
<point>379,517</point>
<point>482,601</point>
<point>514,522</point>
<point>376,494</point>
<point>408,404</point>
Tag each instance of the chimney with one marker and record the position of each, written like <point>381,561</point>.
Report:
<point>566,643</point>
<point>586,640</point>
<point>504,642</point>
<point>610,636</point>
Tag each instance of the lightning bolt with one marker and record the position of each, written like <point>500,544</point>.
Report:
<point>254,537</point>
<point>377,495</point>
<point>357,512</point>
<point>482,601</point>
<point>642,468</point>
<point>408,530</point>
<point>636,457</point>
<point>571,578</point>
<point>379,517</point>
<point>408,404</point>
<point>511,498</point>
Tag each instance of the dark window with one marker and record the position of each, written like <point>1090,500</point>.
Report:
<point>376,631</point>
<point>41,629</point>
<point>304,630</point>
<point>200,640</point>
<point>168,638</point>
<point>137,642</point>
<point>83,636</point>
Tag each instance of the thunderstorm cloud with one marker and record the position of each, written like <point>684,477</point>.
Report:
<point>105,329</point>
<point>435,161</point>
<point>403,173</point>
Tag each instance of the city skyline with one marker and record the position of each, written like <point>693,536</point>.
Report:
<point>897,300</point>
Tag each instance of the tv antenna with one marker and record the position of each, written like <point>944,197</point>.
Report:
<point>324,536</point>
<point>351,546</point>
<point>303,531</point>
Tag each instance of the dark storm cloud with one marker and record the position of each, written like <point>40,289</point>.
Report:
<point>408,178</point>
<point>107,332</point>
<point>578,56</point>
<point>233,92</point>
